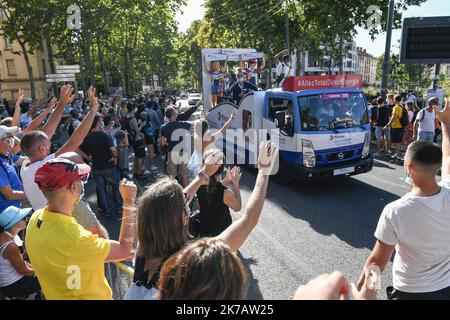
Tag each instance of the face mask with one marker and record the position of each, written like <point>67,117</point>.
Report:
<point>81,195</point>
<point>11,143</point>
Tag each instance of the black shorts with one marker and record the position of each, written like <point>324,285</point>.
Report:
<point>139,148</point>
<point>149,140</point>
<point>397,135</point>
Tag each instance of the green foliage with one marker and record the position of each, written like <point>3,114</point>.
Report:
<point>130,40</point>
<point>403,76</point>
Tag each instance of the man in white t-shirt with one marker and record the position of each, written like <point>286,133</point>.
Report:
<point>425,122</point>
<point>417,226</point>
<point>36,145</point>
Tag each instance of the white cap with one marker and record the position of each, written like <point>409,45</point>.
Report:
<point>4,130</point>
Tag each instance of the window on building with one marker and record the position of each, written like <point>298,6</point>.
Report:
<point>11,65</point>
<point>8,44</point>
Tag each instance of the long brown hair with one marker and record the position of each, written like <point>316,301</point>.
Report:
<point>203,270</point>
<point>160,226</point>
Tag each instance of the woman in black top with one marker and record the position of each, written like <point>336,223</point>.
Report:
<point>215,200</point>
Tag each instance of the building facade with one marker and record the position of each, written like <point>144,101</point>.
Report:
<point>367,67</point>
<point>321,65</point>
<point>13,70</point>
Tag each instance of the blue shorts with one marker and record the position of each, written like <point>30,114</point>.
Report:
<point>214,88</point>
<point>426,136</point>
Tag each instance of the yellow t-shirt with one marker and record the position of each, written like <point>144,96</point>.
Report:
<point>398,111</point>
<point>67,259</point>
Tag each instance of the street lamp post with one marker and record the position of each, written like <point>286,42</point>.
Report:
<point>286,16</point>
<point>387,52</point>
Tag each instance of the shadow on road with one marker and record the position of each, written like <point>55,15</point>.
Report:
<point>253,291</point>
<point>343,206</point>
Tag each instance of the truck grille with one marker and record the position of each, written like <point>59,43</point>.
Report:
<point>340,156</point>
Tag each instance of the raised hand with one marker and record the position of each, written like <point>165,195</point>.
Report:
<point>369,288</point>
<point>266,159</point>
<point>213,162</point>
<point>20,97</point>
<point>227,178</point>
<point>93,100</point>
<point>66,95</point>
<point>325,287</point>
<point>128,191</point>
<point>444,115</point>
<point>52,104</point>
<point>235,175</point>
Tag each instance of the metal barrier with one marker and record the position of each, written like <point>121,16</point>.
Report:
<point>120,277</point>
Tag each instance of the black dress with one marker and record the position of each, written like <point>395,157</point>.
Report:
<point>214,214</point>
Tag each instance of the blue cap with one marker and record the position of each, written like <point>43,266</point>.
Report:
<point>12,215</point>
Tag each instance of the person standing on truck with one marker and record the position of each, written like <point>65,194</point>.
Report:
<point>252,70</point>
<point>242,87</point>
<point>397,128</point>
<point>216,73</point>
<point>285,70</point>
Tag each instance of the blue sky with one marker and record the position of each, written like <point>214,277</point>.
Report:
<point>194,11</point>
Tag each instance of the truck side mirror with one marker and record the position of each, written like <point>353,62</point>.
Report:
<point>280,119</point>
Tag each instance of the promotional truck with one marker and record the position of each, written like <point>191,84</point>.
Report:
<point>320,124</point>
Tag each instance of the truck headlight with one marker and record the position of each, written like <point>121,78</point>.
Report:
<point>309,156</point>
<point>366,148</point>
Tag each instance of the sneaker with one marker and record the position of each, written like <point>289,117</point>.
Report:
<point>394,156</point>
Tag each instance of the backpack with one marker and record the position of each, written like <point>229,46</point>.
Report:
<point>131,133</point>
<point>404,120</point>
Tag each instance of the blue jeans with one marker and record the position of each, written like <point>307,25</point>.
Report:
<point>426,136</point>
<point>102,178</point>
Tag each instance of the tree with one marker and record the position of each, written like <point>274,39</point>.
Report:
<point>403,76</point>
<point>21,26</point>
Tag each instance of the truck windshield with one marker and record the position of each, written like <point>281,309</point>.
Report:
<point>333,111</point>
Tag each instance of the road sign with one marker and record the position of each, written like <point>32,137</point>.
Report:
<point>68,69</point>
<point>60,80</point>
<point>426,40</point>
<point>60,75</point>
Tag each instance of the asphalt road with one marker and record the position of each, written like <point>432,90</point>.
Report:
<point>310,228</point>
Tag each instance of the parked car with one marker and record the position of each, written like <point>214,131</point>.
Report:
<point>194,98</point>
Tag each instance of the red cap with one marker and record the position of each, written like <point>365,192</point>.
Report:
<point>58,173</point>
<point>253,61</point>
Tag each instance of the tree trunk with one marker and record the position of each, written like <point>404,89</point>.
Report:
<point>126,75</point>
<point>87,57</point>
<point>29,69</point>
<point>101,60</point>
<point>341,55</point>
<point>51,60</point>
